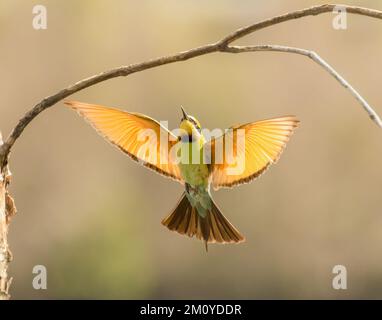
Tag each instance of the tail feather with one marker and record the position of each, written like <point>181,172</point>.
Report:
<point>212,228</point>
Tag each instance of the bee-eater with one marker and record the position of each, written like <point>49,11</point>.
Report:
<point>196,214</point>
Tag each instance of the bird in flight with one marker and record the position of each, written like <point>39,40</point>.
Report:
<point>238,155</point>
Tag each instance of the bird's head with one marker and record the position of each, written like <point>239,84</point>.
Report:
<point>189,123</point>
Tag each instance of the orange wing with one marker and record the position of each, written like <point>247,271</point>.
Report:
<point>263,143</point>
<point>135,134</point>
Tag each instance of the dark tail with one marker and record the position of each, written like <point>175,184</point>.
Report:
<point>212,228</point>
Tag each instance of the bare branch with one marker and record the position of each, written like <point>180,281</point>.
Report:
<point>312,11</point>
<point>316,58</point>
<point>220,46</point>
<point>5,254</point>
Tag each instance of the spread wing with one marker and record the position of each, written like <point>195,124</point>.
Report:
<point>263,143</point>
<point>137,135</point>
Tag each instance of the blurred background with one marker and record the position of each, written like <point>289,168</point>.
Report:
<point>92,216</point>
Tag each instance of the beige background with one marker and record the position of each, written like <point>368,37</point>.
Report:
<point>92,216</point>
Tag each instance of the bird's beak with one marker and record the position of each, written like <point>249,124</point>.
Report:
<point>185,116</point>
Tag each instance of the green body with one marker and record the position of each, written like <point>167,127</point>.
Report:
<point>196,175</point>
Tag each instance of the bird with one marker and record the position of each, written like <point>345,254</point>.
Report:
<point>196,213</point>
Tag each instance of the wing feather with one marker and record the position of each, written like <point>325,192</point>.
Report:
<point>123,128</point>
<point>264,142</point>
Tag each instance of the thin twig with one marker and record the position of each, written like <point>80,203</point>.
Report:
<point>316,58</point>
<point>220,46</point>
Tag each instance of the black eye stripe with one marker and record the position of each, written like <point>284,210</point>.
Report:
<point>194,122</point>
